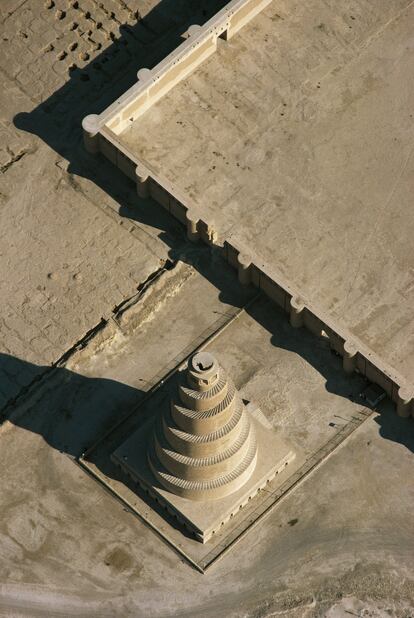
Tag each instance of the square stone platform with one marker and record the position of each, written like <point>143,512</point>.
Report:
<point>304,396</point>
<point>203,519</point>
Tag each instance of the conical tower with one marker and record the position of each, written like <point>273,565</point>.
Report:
<point>203,455</point>
<point>204,445</point>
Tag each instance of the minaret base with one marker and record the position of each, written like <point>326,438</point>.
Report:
<point>203,519</point>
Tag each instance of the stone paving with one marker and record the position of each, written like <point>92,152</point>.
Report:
<point>64,263</point>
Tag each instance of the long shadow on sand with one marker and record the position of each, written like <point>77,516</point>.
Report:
<point>72,410</point>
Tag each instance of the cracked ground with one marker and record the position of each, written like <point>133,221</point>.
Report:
<point>95,286</point>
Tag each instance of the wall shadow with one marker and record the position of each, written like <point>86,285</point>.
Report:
<point>89,90</point>
<point>314,350</point>
<point>393,427</point>
<point>57,122</point>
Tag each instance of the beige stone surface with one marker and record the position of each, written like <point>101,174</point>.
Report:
<point>67,546</point>
<point>203,455</point>
<point>203,519</point>
<point>296,138</point>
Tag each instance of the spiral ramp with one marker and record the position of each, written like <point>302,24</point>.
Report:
<point>204,447</point>
<point>205,455</point>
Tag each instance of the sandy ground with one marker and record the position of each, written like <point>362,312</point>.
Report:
<point>76,248</point>
<point>68,547</point>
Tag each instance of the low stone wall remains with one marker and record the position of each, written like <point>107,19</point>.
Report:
<point>102,134</point>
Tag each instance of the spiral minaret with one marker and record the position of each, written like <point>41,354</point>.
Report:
<point>204,445</point>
